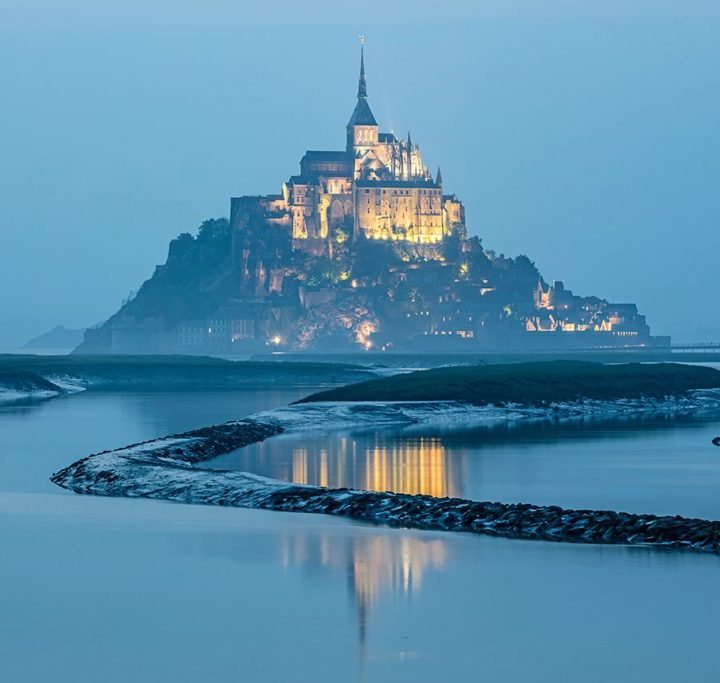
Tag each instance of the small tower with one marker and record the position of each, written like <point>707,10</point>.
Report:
<point>438,179</point>
<point>409,166</point>
<point>362,128</point>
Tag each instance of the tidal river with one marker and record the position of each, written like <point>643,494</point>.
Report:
<point>118,590</point>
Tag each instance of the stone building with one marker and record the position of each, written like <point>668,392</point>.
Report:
<point>559,310</point>
<point>362,249</point>
<point>377,188</point>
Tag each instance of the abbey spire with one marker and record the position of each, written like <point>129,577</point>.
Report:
<point>362,128</point>
<point>362,83</point>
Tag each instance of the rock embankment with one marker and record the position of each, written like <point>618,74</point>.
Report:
<point>166,469</point>
<point>111,473</point>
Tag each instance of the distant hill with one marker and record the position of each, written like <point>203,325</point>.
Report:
<point>60,337</point>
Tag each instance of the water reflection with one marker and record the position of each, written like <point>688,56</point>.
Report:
<point>662,464</point>
<point>578,429</point>
<point>437,461</point>
<point>376,462</point>
<point>376,567</point>
<point>417,466</point>
<point>381,571</point>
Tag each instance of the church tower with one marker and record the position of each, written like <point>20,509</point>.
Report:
<point>362,128</point>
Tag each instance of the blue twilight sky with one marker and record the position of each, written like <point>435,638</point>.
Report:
<point>584,134</point>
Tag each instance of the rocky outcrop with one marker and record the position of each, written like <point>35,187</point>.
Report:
<point>283,294</point>
<point>21,384</point>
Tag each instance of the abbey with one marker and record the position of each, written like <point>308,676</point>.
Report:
<point>360,250</point>
<point>376,188</point>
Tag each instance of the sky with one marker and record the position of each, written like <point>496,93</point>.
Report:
<point>583,134</point>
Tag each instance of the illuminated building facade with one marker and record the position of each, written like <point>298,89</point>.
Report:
<point>559,310</point>
<point>377,188</point>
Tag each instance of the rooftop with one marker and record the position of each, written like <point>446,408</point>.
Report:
<point>362,115</point>
<point>415,182</point>
<point>325,155</point>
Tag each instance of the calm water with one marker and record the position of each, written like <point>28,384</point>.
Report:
<point>660,465</point>
<point>133,590</point>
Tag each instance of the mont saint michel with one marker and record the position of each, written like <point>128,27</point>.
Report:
<point>327,359</point>
<point>362,249</point>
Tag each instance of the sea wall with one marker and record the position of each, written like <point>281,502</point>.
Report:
<point>167,469</point>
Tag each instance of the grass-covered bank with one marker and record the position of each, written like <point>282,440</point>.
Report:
<point>531,383</point>
<point>109,372</point>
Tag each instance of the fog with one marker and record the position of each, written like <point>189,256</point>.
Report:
<point>584,137</point>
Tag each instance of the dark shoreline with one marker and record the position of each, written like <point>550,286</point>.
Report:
<point>162,373</point>
<point>536,384</point>
<point>440,358</point>
<point>24,381</point>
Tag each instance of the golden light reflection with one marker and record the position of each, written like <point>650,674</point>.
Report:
<point>375,565</point>
<point>387,564</point>
<point>419,466</point>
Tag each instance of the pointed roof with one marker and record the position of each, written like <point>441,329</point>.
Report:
<point>362,83</point>
<point>438,180</point>
<point>362,115</point>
